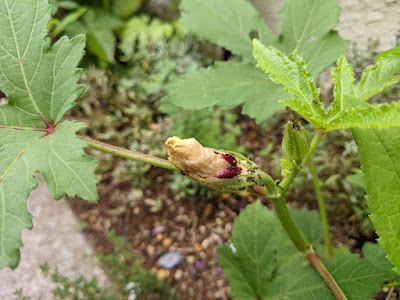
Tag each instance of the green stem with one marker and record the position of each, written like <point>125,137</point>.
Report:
<point>304,246</point>
<point>323,271</point>
<point>322,209</point>
<point>314,143</point>
<point>291,229</point>
<point>121,152</point>
<point>392,284</point>
<point>294,234</point>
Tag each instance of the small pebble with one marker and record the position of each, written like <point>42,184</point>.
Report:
<point>220,283</point>
<point>219,230</point>
<point>190,259</point>
<point>202,255</point>
<point>150,250</point>
<point>149,202</point>
<point>244,194</point>
<point>202,229</point>
<point>162,274</point>
<point>225,196</point>
<point>219,271</point>
<point>159,237</point>
<point>198,265</point>
<point>170,260</point>
<point>218,221</point>
<point>129,286</point>
<point>157,230</point>
<point>178,275</point>
<point>197,247</point>
<point>166,242</point>
<point>206,243</point>
<point>208,210</point>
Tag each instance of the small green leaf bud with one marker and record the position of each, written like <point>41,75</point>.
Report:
<point>287,166</point>
<point>220,170</point>
<point>296,141</point>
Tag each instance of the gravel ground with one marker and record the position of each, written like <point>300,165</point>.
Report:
<point>56,238</point>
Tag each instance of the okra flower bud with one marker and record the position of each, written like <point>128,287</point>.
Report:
<point>220,170</point>
<point>296,141</point>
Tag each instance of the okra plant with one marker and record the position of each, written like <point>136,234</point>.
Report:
<point>273,255</point>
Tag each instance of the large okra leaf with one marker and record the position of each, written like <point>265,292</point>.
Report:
<point>380,160</point>
<point>264,264</point>
<point>233,24</point>
<point>40,82</point>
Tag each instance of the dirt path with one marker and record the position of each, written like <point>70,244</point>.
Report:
<point>56,238</point>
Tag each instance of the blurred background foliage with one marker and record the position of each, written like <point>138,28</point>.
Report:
<point>133,51</point>
<point>135,48</point>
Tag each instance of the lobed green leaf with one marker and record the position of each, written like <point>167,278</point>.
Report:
<point>36,81</point>
<point>228,24</point>
<point>322,52</point>
<point>98,26</point>
<point>40,83</point>
<point>59,158</point>
<point>377,256</point>
<point>255,237</point>
<point>379,154</point>
<point>349,108</point>
<point>233,26</point>
<point>293,277</point>
<point>290,71</point>
<point>303,21</point>
<point>227,85</point>
<point>378,116</point>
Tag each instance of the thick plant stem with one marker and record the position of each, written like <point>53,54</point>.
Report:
<point>295,235</point>
<point>304,246</point>
<point>314,143</point>
<point>291,229</point>
<point>319,266</point>
<point>148,159</point>
<point>322,210</point>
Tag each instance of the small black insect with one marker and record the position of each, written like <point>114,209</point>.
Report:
<point>277,185</point>
<point>296,126</point>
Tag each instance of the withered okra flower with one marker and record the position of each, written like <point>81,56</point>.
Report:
<point>220,170</point>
